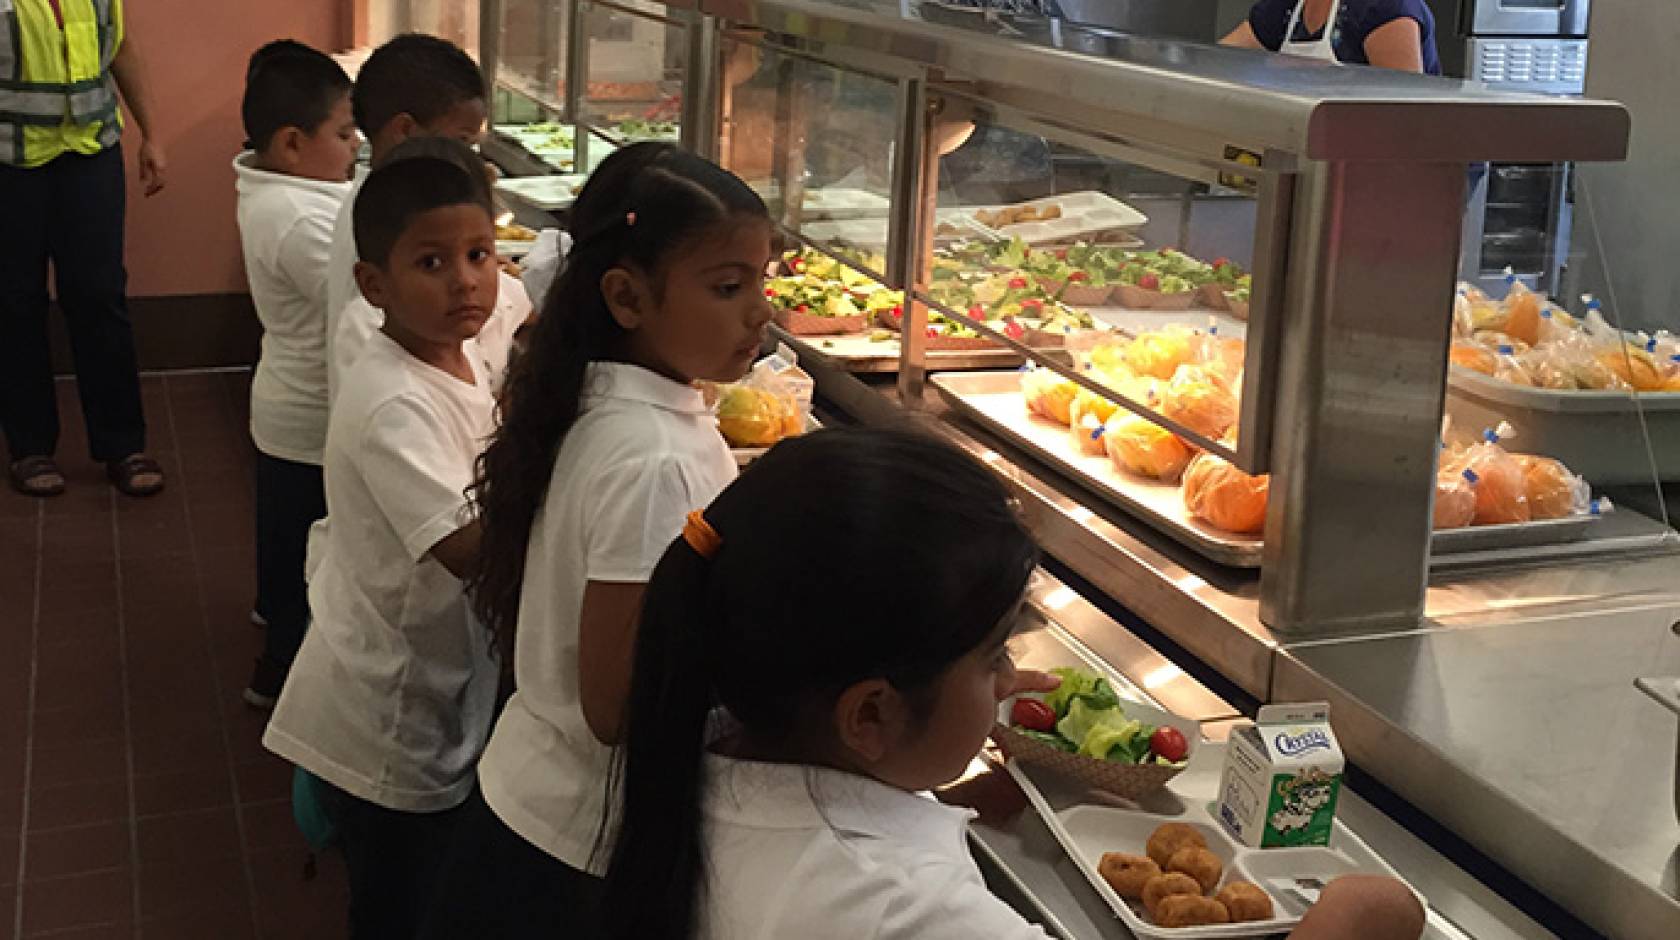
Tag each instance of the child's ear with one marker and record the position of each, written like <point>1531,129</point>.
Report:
<point>371,280</point>
<point>287,144</point>
<point>869,718</point>
<point>623,293</point>
<point>402,127</point>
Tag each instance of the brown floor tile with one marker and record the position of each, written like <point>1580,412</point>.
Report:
<point>8,863</point>
<point>8,909</point>
<point>189,839</point>
<point>117,931</point>
<point>259,781</point>
<point>81,626</point>
<point>79,900</point>
<point>69,724</point>
<point>195,750</point>
<point>82,762</point>
<point>55,853</point>
<point>270,826</point>
<point>182,791</point>
<point>14,758</point>
<point>77,804</point>
<point>11,810</point>
<point>205,885</point>
<point>92,684</point>
<point>234,923</point>
<point>288,906</point>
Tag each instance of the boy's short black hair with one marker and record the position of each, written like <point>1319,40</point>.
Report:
<point>414,74</point>
<point>423,173</point>
<point>288,84</point>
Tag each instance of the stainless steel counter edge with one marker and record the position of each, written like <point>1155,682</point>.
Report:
<point>1565,870</point>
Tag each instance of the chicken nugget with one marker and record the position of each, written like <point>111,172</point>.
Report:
<point>1200,864</point>
<point>1127,874</point>
<point>1190,910</point>
<point>1245,901</point>
<point>1168,839</point>
<point>1165,886</point>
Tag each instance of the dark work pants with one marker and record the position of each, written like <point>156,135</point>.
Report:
<point>393,859</point>
<point>290,497</point>
<point>71,212</point>
<point>497,886</point>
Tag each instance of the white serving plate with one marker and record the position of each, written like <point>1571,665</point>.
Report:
<point>1084,214</point>
<point>1086,829</point>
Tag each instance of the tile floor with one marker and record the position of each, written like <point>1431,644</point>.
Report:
<point>135,797</point>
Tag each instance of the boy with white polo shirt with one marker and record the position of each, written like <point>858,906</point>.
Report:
<point>390,699</point>
<point>292,182</point>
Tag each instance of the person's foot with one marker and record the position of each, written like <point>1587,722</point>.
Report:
<point>136,475</point>
<point>267,678</point>
<point>258,620</point>
<point>37,476</point>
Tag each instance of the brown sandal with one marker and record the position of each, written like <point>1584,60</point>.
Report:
<point>37,476</point>
<point>136,475</point>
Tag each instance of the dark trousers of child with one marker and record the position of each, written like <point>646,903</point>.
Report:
<point>395,860</point>
<point>497,886</point>
<point>71,212</point>
<point>290,498</point>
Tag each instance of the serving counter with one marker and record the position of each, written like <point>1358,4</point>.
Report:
<point>1247,261</point>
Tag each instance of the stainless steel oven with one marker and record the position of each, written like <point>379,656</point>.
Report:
<point>1519,217</point>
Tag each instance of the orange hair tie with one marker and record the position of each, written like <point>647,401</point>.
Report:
<point>700,535</point>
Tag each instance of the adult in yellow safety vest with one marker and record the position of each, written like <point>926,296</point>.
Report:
<point>63,64</point>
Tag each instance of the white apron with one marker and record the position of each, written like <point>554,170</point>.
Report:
<point>1323,48</point>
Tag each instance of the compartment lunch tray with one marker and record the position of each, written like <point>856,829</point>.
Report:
<point>993,399</point>
<point>1086,827</point>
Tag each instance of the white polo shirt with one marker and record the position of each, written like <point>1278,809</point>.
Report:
<point>643,454</point>
<point>391,696</point>
<point>358,320</point>
<point>797,851</point>
<point>285,229</point>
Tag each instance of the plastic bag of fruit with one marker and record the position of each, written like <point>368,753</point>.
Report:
<point>772,402</point>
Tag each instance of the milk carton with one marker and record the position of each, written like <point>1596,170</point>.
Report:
<point>1282,777</point>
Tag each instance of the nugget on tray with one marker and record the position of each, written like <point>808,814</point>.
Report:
<point>1200,864</point>
<point>1127,874</point>
<point>1161,887</point>
<point>1245,901</point>
<point>1190,910</point>
<point>1165,841</point>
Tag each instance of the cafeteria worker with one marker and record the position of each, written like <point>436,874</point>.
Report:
<point>1389,34</point>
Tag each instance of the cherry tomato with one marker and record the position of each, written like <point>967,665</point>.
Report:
<point>1149,282</point>
<point>1169,743</point>
<point>1033,715</point>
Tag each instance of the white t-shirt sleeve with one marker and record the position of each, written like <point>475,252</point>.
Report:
<point>417,480</point>
<point>638,508</point>
<point>303,256</point>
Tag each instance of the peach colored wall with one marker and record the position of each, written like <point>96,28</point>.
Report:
<point>185,240</point>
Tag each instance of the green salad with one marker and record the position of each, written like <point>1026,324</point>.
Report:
<point>1084,716</point>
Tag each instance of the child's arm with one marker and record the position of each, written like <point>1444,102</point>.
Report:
<point>458,551</point>
<point>1363,907</point>
<point>606,648</point>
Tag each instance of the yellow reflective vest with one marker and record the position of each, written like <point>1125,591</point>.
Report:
<point>57,94</point>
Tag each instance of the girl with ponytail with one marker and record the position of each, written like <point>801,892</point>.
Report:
<point>604,446</point>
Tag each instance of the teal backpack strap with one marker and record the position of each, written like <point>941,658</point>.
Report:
<point>309,811</point>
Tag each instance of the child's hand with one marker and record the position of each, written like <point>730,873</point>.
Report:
<point>993,794</point>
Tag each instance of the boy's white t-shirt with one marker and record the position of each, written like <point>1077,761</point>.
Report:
<point>341,266</point>
<point>492,347</point>
<point>802,851</point>
<point>391,696</point>
<point>643,454</point>
<point>285,229</point>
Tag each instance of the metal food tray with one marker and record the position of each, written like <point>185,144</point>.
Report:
<point>993,399</point>
<point>1590,431</point>
<point>544,192</point>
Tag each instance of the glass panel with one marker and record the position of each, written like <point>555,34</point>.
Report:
<point>454,20</point>
<point>1578,383</point>
<point>820,135</point>
<point>1135,276</point>
<point>532,60</point>
<point>636,65</point>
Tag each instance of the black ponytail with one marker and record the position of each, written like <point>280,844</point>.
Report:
<point>642,205</point>
<point>790,611</point>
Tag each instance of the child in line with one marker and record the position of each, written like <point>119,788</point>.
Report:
<point>605,446</point>
<point>292,182</point>
<point>413,86</point>
<point>390,699</point>
<point>844,697</point>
